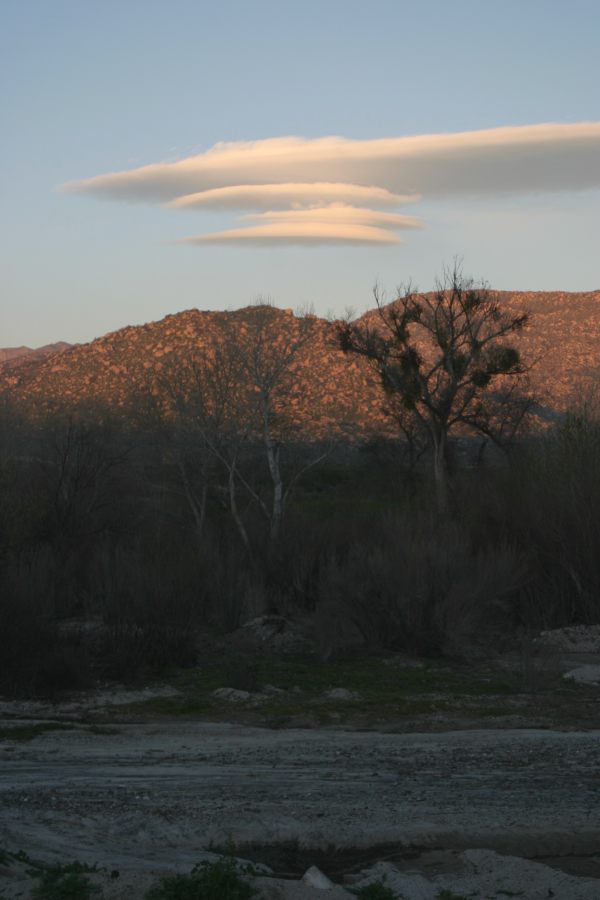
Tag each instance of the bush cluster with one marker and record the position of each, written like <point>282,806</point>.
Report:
<point>105,573</point>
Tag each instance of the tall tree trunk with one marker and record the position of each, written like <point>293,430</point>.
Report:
<point>275,472</point>
<point>198,507</point>
<point>277,507</point>
<point>235,511</point>
<point>440,469</point>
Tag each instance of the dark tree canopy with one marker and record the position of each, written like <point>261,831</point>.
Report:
<point>445,359</point>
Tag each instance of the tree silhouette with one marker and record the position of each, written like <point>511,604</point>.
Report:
<point>444,359</point>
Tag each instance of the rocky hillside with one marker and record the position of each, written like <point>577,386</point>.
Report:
<point>12,356</point>
<point>121,368</point>
<point>124,367</point>
<point>562,341</point>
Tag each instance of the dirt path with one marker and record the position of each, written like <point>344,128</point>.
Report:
<point>155,795</point>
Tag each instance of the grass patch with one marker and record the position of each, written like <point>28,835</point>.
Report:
<point>383,692</point>
<point>29,732</point>
<point>377,890</point>
<point>67,882</point>
<point>55,885</point>
<point>208,881</point>
<point>102,729</point>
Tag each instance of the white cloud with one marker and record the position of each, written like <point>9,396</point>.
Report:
<point>298,233</point>
<point>524,158</point>
<point>292,174</point>
<point>336,215</point>
<point>283,196</point>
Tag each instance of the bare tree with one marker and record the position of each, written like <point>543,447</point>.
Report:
<point>194,407</point>
<point>269,347</point>
<point>231,401</point>
<point>445,359</point>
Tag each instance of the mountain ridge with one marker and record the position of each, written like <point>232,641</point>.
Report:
<point>562,335</point>
<point>14,355</point>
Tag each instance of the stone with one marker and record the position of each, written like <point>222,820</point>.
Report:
<point>278,635</point>
<point>584,675</point>
<point>409,886</point>
<point>314,878</point>
<point>573,638</point>
<point>341,694</point>
<point>233,695</point>
<point>272,689</point>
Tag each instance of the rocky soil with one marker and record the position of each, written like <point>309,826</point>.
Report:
<point>130,781</point>
<point>144,798</point>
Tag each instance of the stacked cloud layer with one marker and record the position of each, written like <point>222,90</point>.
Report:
<point>332,190</point>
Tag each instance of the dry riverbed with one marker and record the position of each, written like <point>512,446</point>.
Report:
<point>152,797</point>
<point>440,778</point>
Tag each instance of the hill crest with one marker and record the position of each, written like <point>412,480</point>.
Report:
<point>563,335</point>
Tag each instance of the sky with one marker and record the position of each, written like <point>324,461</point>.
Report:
<point>298,150</point>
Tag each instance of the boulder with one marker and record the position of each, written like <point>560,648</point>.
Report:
<point>584,675</point>
<point>233,695</point>
<point>314,878</point>
<point>573,639</point>
<point>276,635</point>
<point>341,694</point>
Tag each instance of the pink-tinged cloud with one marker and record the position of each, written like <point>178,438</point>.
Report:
<point>289,195</point>
<point>328,190</point>
<point>298,233</point>
<point>336,215</point>
<point>518,159</point>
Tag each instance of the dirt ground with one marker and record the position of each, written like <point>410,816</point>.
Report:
<point>399,763</point>
<point>149,797</point>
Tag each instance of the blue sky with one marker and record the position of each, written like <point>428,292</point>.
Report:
<point>88,88</point>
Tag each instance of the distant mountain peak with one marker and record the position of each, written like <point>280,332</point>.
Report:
<point>562,335</point>
<point>14,355</point>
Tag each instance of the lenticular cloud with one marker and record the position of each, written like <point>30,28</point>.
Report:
<point>295,196</point>
<point>333,190</point>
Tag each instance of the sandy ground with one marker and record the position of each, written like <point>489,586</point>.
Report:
<point>153,797</point>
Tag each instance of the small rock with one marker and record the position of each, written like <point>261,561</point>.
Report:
<point>313,877</point>
<point>232,695</point>
<point>341,694</point>
<point>278,635</point>
<point>408,885</point>
<point>271,689</point>
<point>584,675</point>
<point>573,638</point>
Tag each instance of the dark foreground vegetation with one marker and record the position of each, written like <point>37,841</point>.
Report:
<point>106,572</point>
<point>132,540</point>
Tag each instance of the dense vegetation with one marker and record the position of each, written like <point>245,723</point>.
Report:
<point>97,527</point>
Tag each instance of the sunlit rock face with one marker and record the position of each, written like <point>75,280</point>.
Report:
<point>325,389</point>
<point>12,356</point>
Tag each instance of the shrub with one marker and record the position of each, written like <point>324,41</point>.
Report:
<point>377,890</point>
<point>208,881</point>
<point>420,587</point>
<point>56,884</point>
<point>37,657</point>
<point>152,609</point>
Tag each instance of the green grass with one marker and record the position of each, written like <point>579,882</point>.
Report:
<point>23,733</point>
<point>67,882</point>
<point>208,881</point>
<point>386,692</point>
<point>29,732</point>
<point>54,885</point>
<point>377,890</point>
<point>60,882</point>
